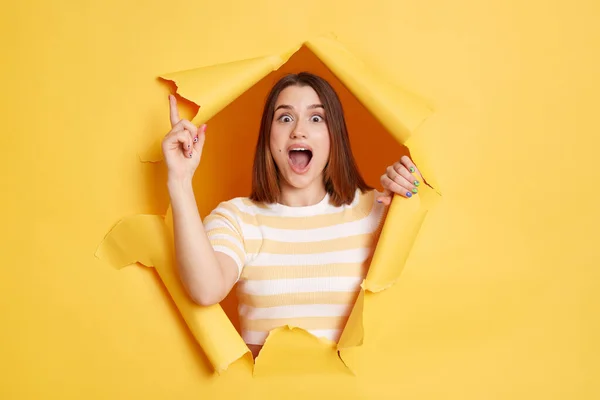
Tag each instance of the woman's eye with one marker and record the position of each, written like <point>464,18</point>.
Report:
<point>285,118</point>
<point>317,118</point>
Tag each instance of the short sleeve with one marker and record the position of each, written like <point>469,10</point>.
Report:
<point>224,233</point>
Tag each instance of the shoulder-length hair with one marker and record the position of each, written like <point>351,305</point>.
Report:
<point>341,176</point>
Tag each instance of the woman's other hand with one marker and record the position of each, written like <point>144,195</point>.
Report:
<point>182,146</point>
<point>400,179</point>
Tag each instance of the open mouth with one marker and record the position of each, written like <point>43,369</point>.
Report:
<point>300,159</point>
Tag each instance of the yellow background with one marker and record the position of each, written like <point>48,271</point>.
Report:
<point>499,298</point>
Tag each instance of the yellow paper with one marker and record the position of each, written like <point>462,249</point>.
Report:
<point>294,351</point>
<point>397,238</point>
<point>353,333</point>
<point>214,87</point>
<point>401,229</point>
<point>145,239</point>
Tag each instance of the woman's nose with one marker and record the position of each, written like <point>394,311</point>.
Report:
<point>298,132</point>
<point>298,135</point>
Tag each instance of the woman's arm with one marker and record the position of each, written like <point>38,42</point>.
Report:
<point>207,276</point>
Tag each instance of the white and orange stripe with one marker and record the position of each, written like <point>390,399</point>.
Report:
<point>298,266</point>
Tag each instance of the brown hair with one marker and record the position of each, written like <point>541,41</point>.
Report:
<point>341,176</point>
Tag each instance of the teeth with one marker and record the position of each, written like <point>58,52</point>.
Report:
<point>299,149</point>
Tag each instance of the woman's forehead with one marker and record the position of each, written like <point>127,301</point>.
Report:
<point>298,97</point>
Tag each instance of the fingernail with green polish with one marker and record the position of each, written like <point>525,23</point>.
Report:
<point>411,169</point>
<point>417,183</point>
<point>415,190</point>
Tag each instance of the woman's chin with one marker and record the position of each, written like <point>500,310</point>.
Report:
<point>297,181</point>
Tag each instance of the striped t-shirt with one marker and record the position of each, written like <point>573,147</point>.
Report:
<point>298,266</point>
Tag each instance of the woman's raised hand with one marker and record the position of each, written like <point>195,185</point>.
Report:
<point>182,146</point>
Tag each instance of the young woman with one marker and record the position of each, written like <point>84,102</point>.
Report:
<point>299,246</point>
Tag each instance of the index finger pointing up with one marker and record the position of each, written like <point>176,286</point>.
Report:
<point>174,112</point>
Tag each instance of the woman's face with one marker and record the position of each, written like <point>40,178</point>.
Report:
<point>300,137</point>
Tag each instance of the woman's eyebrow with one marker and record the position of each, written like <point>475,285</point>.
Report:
<point>288,107</point>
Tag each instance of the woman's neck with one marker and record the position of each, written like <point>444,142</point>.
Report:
<point>296,197</point>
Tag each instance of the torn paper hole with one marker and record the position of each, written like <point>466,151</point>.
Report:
<point>146,239</point>
<point>286,347</point>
